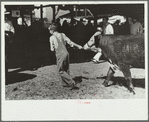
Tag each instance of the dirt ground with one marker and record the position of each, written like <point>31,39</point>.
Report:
<point>44,83</point>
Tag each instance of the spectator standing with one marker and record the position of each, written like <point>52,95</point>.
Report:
<point>65,27</point>
<point>107,27</point>
<point>107,30</point>
<point>124,28</point>
<point>116,27</point>
<point>58,22</point>
<point>136,27</point>
<point>9,35</point>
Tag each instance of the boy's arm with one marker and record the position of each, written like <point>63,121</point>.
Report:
<point>72,44</point>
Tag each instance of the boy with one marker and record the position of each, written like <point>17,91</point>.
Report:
<point>58,44</point>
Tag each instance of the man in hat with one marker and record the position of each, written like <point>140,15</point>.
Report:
<point>58,44</point>
<point>107,27</point>
<point>9,29</point>
<point>9,34</point>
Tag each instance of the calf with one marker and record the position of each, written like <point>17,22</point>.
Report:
<point>123,51</point>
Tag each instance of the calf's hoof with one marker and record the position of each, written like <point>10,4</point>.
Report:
<point>131,90</point>
<point>105,84</point>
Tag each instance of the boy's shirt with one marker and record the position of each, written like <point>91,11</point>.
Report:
<point>54,43</point>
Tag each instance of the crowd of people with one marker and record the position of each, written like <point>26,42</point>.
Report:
<point>131,26</point>
<point>29,47</point>
<point>58,42</point>
<point>77,30</point>
<point>81,33</point>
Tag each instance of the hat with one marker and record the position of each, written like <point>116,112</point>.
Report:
<point>6,12</point>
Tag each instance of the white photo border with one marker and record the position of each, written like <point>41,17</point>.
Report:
<point>118,109</point>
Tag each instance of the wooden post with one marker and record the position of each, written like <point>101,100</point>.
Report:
<point>22,15</point>
<point>53,7</point>
<point>72,15</point>
<point>41,14</point>
<point>85,11</point>
<point>31,15</point>
<point>76,11</point>
<point>95,19</point>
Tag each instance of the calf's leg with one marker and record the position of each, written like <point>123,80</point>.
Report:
<point>127,74</point>
<point>109,75</point>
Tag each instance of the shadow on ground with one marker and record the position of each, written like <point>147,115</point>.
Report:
<point>78,79</point>
<point>16,77</point>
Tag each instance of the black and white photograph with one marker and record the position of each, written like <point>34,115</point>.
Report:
<point>79,60</point>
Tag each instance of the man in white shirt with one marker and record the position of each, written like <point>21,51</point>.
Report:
<point>107,27</point>
<point>9,34</point>
<point>107,30</point>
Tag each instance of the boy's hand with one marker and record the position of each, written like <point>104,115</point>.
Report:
<point>80,47</point>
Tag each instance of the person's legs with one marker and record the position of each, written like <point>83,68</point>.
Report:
<point>67,65</point>
<point>97,56</point>
<point>63,69</point>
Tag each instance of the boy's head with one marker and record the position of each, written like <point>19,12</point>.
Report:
<point>53,27</point>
